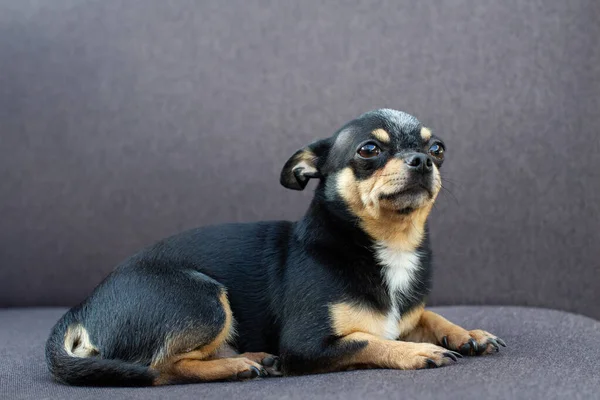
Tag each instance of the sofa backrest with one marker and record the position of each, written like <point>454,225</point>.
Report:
<point>124,122</point>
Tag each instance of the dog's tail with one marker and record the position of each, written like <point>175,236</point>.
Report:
<point>72,359</point>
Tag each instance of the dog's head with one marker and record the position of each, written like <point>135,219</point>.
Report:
<point>383,166</point>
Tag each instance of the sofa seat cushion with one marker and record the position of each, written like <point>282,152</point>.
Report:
<point>550,354</point>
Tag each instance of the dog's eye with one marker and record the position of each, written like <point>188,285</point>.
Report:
<point>369,150</point>
<point>437,151</point>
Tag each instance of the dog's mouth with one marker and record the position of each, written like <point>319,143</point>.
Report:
<point>407,199</point>
<point>408,191</point>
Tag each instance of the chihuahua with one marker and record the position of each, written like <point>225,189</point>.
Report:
<point>343,288</point>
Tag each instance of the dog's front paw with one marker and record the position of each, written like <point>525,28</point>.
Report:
<point>472,343</point>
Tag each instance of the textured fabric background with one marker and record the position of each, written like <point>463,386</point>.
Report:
<point>550,355</point>
<point>122,122</point>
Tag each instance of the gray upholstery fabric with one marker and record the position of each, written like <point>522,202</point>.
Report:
<point>125,121</point>
<point>551,355</point>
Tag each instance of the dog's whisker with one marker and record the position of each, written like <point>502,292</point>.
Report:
<point>446,190</point>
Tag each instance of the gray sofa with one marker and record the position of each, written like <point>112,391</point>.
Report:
<point>122,122</point>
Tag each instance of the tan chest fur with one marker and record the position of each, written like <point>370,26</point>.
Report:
<point>348,318</point>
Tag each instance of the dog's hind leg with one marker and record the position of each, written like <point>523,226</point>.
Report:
<point>270,362</point>
<point>189,369</point>
<point>178,363</point>
<point>213,361</point>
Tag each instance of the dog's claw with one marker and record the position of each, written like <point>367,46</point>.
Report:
<point>457,354</point>
<point>474,345</point>
<point>269,361</point>
<point>431,363</point>
<point>465,348</point>
<point>451,356</point>
<point>502,342</point>
<point>469,348</point>
<point>445,341</point>
<point>251,373</point>
<point>494,344</point>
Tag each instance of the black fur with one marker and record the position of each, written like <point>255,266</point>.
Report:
<point>279,276</point>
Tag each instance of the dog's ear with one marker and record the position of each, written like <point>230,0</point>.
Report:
<point>304,164</point>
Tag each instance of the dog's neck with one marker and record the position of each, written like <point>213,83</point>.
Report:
<point>398,232</point>
<point>330,223</point>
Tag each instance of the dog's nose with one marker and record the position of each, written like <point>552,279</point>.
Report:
<point>419,162</point>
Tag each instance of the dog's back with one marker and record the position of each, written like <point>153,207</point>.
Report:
<point>174,281</point>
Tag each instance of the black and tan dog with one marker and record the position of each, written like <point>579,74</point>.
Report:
<point>343,288</point>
